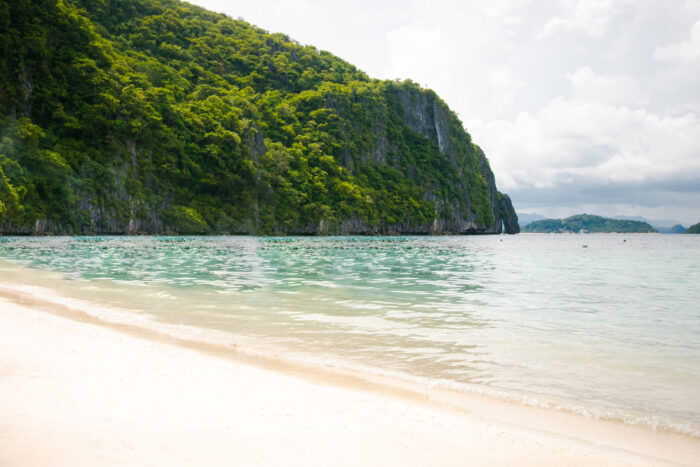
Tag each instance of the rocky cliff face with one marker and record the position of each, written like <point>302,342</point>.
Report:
<point>509,216</point>
<point>155,116</point>
<point>423,113</point>
<point>420,111</point>
<point>426,115</point>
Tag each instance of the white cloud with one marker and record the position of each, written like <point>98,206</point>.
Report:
<point>682,52</point>
<point>419,53</point>
<point>504,85</point>
<point>589,17</point>
<point>589,86</point>
<point>504,79</point>
<point>583,153</point>
<point>579,104</point>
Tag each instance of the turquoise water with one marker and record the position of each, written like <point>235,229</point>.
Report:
<point>603,325</point>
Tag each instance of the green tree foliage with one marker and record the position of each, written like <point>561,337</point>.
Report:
<point>187,120</point>
<point>588,223</point>
<point>693,229</point>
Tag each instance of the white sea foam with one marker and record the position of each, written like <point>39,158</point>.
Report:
<point>609,333</point>
<point>250,347</point>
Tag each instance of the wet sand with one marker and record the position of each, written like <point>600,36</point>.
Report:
<point>76,393</point>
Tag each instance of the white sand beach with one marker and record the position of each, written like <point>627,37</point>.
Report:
<point>76,393</point>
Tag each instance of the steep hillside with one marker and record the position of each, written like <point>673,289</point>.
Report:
<point>125,116</point>
<point>588,223</point>
<point>693,229</point>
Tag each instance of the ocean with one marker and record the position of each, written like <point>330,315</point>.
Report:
<point>604,326</point>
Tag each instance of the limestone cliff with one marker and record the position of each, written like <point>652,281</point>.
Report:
<point>156,116</point>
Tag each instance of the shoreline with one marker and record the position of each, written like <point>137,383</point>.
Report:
<point>44,290</point>
<point>530,433</point>
<point>255,235</point>
<point>514,406</point>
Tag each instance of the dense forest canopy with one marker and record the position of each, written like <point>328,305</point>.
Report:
<point>157,116</point>
<point>588,223</point>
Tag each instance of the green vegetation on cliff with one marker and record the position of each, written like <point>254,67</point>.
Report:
<point>693,229</point>
<point>156,115</point>
<point>588,223</point>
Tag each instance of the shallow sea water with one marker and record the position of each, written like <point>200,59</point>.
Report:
<point>603,325</point>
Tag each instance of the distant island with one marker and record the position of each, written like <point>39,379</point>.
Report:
<point>157,116</point>
<point>676,229</point>
<point>587,223</point>
<point>664,226</point>
<point>693,229</point>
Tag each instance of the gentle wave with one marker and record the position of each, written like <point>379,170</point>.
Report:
<point>249,347</point>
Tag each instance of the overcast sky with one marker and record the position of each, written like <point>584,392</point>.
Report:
<point>580,105</point>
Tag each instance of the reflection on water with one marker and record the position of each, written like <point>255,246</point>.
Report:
<point>614,325</point>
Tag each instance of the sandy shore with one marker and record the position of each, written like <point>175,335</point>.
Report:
<point>75,393</point>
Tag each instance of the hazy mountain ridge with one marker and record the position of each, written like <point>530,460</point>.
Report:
<point>528,218</point>
<point>157,116</point>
